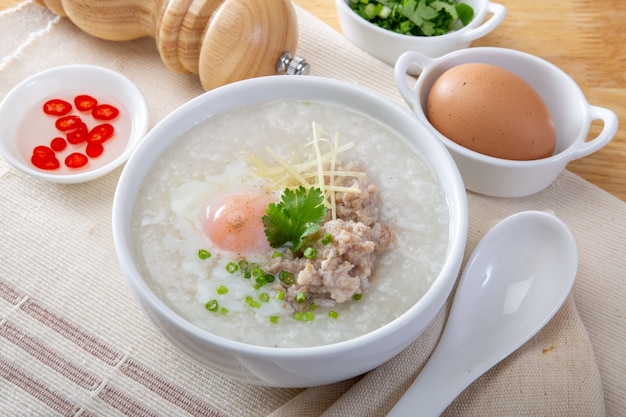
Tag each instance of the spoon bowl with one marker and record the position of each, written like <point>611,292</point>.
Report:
<point>514,282</point>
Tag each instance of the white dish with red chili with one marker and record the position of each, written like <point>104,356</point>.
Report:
<point>72,123</point>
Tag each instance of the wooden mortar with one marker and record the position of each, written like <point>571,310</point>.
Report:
<point>221,40</point>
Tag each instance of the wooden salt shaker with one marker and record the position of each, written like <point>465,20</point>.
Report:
<point>221,40</point>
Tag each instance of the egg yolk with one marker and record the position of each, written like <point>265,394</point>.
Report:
<point>234,222</point>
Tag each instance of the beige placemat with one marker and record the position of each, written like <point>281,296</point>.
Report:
<point>73,342</point>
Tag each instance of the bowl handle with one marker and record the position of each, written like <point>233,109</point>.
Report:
<point>609,118</point>
<point>498,13</point>
<point>406,61</point>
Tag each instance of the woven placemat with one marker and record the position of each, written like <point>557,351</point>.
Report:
<point>73,342</point>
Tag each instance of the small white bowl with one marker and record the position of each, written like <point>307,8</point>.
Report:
<point>388,46</point>
<point>290,367</point>
<point>24,125</point>
<point>571,113</point>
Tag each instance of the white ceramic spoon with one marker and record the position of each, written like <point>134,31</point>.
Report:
<point>514,282</point>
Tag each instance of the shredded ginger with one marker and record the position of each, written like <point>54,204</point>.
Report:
<point>319,170</point>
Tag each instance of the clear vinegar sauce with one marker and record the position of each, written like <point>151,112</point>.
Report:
<point>38,128</point>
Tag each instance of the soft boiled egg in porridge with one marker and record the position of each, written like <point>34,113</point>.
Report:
<point>290,224</point>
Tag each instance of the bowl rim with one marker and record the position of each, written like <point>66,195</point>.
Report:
<point>134,172</point>
<point>478,17</point>
<point>137,107</point>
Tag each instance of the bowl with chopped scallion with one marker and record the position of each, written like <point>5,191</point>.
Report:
<point>387,28</point>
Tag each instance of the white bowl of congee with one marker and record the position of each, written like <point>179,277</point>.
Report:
<point>290,231</point>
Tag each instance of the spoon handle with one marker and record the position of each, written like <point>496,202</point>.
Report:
<point>441,380</point>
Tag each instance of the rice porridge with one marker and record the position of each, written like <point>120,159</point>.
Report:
<point>385,228</point>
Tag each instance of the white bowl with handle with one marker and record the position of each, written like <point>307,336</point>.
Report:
<point>571,112</point>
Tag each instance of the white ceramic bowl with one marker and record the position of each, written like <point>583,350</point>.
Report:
<point>388,46</point>
<point>571,112</point>
<point>23,124</point>
<point>290,367</point>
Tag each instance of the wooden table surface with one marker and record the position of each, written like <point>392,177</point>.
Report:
<point>585,38</point>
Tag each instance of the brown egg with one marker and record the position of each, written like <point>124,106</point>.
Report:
<point>490,110</point>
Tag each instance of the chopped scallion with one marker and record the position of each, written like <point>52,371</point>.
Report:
<point>300,297</point>
<point>212,305</point>
<point>286,277</point>
<point>327,239</point>
<point>274,319</point>
<point>333,314</point>
<point>222,290</point>
<point>232,267</point>
<point>204,254</point>
<point>258,272</point>
<point>265,297</point>
<point>310,253</point>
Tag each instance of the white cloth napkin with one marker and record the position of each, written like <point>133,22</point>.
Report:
<point>73,341</point>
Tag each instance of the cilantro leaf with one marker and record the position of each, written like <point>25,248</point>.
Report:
<point>295,217</point>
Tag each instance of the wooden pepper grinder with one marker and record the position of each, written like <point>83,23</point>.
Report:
<point>221,40</point>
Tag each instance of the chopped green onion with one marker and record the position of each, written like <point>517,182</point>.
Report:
<point>309,316</point>
<point>245,269</point>
<point>232,267</point>
<point>333,314</point>
<point>265,297</point>
<point>300,297</point>
<point>258,272</point>
<point>223,311</point>
<point>313,306</point>
<point>251,302</point>
<point>286,277</point>
<point>357,297</point>
<point>274,319</point>
<point>222,290</point>
<point>269,278</point>
<point>204,254</point>
<point>280,295</point>
<point>327,238</point>
<point>211,305</point>
<point>277,254</point>
<point>298,315</point>
<point>310,253</point>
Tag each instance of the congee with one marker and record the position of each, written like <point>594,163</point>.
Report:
<point>290,224</point>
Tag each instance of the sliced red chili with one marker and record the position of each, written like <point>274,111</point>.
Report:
<point>44,158</point>
<point>101,133</point>
<point>77,135</point>
<point>66,123</point>
<point>57,107</point>
<point>43,153</point>
<point>84,102</point>
<point>105,112</point>
<point>58,144</point>
<point>47,165</point>
<point>76,160</point>
<point>94,149</point>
